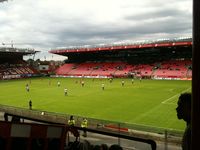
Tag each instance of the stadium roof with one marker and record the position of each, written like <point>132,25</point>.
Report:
<point>125,46</point>
<point>20,51</point>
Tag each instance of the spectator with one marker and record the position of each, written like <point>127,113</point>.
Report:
<point>87,145</point>
<point>104,147</point>
<point>15,119</point>
<point>6,117</point>
<point>97,147</point>
<point>184,112</point>
<point>115,147</point>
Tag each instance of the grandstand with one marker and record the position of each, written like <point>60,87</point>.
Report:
<point>158,59</point>
<point>12,65</point>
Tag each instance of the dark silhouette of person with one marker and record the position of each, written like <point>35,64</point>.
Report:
<point>104,147</point>
<point>184,112</point>
<point>6,117</point>
<point>15,119</point>
<point>115,147</point>
<point>97,147</point>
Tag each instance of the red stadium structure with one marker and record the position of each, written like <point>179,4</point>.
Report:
<point>160,59</point>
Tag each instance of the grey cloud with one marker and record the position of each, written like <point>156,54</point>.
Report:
<point>159,13</point>
<point>42,28</point>
<point>110,32</point>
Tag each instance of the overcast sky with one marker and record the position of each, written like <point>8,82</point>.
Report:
<point>48,24</point>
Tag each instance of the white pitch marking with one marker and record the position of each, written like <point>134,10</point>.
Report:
<point>165,101</point>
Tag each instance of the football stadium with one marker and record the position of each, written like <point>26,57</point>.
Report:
<point>116,75</point>
<point>128,94</point>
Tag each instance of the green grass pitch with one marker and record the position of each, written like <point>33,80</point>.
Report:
<point>150,102</point>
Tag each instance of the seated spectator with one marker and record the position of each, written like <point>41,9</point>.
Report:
<point>104,147</point>
<point>115,147</point>
<point>5,116</point>
<point>97,147</point>
<point>15,119</point>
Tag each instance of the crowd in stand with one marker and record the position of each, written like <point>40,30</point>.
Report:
<point>85,145</point>
<point>18,70</point>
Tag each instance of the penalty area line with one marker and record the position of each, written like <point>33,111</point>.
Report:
<point>166,101</point>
